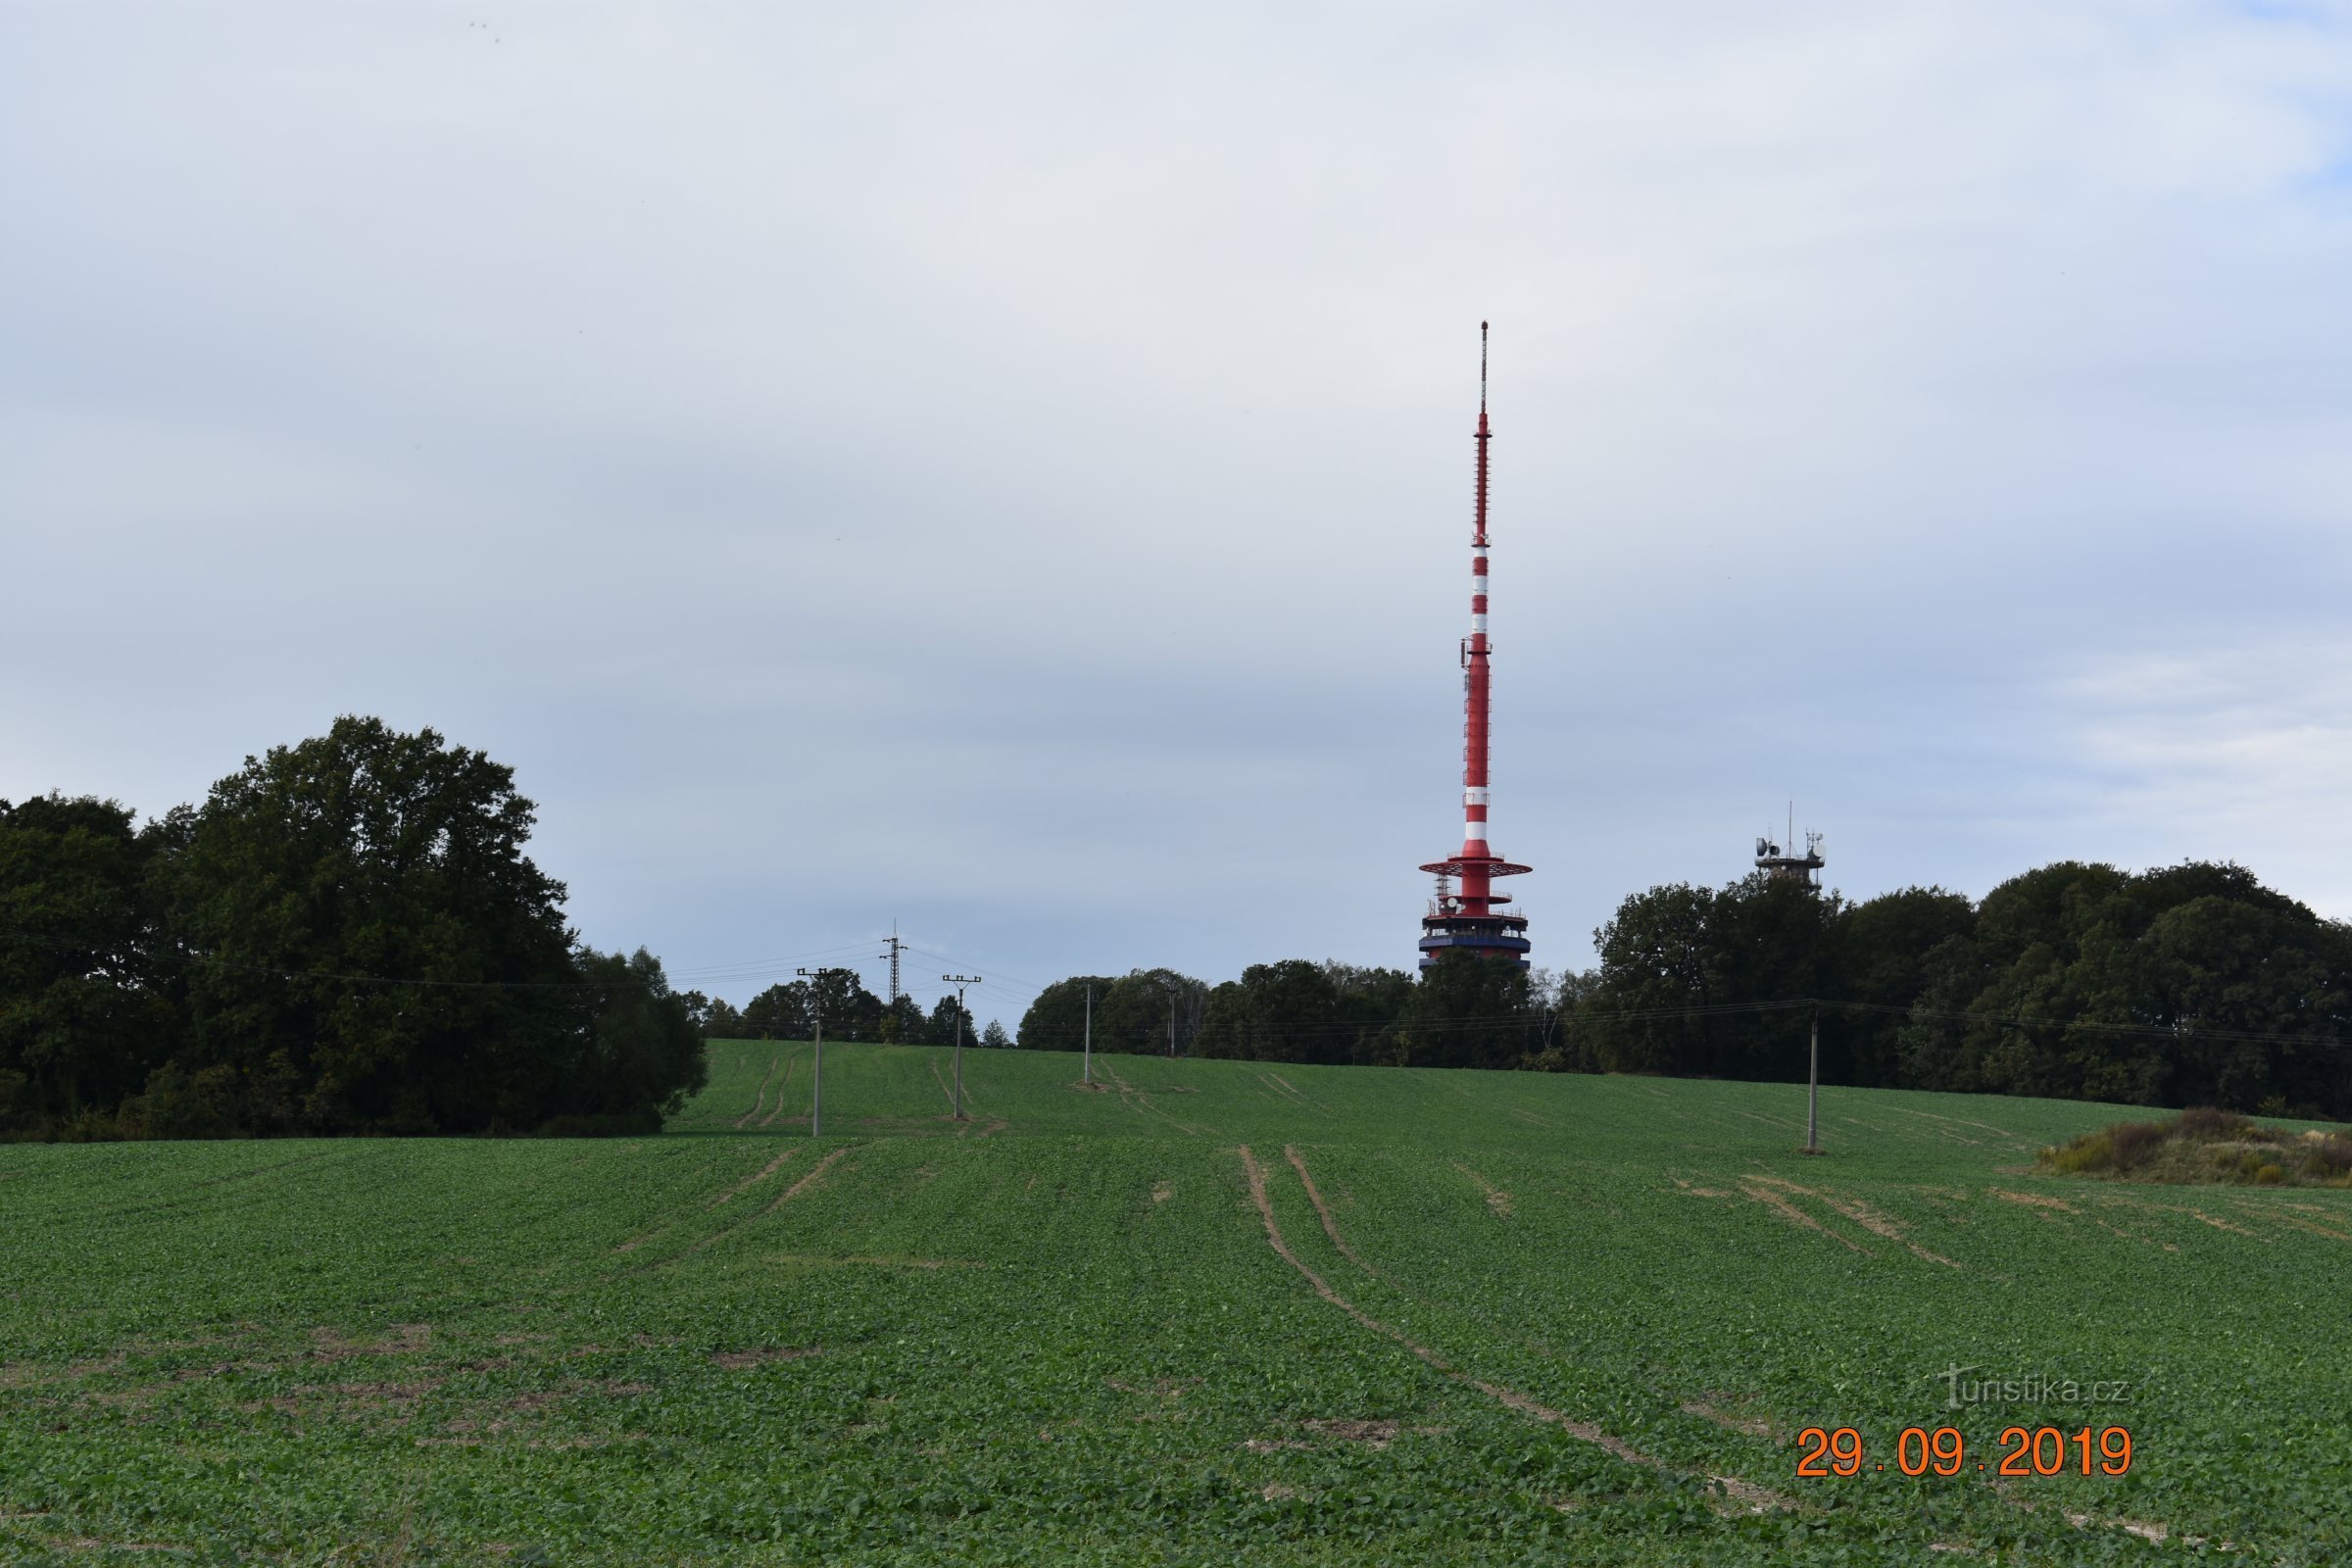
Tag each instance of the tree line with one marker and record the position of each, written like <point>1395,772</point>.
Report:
<point>343,937</point>
<point>850,1011</point>
<point>347,937</point>
<point>2191,984</point>
<point>1462,1013</point>
<point>2184,984</point>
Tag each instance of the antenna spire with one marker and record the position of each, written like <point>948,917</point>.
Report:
<point>1482,372</point>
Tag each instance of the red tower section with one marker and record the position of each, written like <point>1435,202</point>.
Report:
<point>1470,918</point>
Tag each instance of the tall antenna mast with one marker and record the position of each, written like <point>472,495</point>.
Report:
<point>1472,920</point>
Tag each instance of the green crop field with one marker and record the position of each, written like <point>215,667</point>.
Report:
<point>1210,1313</point>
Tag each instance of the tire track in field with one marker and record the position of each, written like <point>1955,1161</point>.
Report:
<point>1304,1096</point>
<point>1143,1103</point>
<point>1498,1200</point>
<point>948,1093</point>
<point>792,1059</point>
<point>1267,1087</point>
<point>758,1098</point>
<point>816,1172</point>
<point>1752,1497</point>
<point>1519,1111</point>
<point>1779,1204</point>
<point>1291,1094</point>
<point>1331,1227</point>
<point>1755,1498</point>
<point>1853,1209</point>
<point>1956,1121</point>
<point>255,1173</point>
<point>758,1176</point>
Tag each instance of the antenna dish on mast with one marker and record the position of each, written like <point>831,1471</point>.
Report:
<point>1786,865</point>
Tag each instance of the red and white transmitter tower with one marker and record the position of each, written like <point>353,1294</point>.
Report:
<point>1473,920</point>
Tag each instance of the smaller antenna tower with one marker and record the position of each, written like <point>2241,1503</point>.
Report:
<point>1781,860</point>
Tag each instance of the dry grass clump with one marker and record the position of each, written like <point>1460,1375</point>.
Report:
<point>2209,1122</point>
<point>2205,1144</point>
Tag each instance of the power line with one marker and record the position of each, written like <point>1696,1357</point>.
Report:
<point>751,970</point>
<point>1001,975</point>
<point>216,962</point>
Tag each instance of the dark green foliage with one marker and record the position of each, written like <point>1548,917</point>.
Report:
<point>1300,1011</point>
<point>345,937</point>
<point>1467,1012</point>
<point>1884,956</point>
<point>2074,980</point>
<point>715,1016</point>
<point>368,852</point>
<point>790,1011</point>
<point>83,1021</point>
<point>1056,1019</point>
<point>780,1012</point>
<point>950,1021</point>
<point>1132,1013</point>
<point>1150,1013</point>
<point>1283,1011</point>
<point>2192,949</point>
<point>638,1046</point>
<point>1678,948</point>
<point>902,1022</point>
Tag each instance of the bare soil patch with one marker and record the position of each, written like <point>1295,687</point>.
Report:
<point>1690,1191</point>
<point>1753,1426</point>
<point>2034,1199</point>
<point>405,1339</point>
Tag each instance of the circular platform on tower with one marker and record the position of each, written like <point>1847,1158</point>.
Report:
<point>1463,868</point>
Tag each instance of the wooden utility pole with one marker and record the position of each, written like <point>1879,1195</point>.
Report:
<point>816,1011</point>
<point>1813,1089</point>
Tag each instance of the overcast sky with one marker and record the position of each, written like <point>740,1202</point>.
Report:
<point>1006,467</point>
